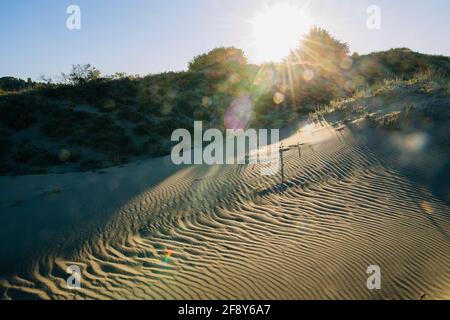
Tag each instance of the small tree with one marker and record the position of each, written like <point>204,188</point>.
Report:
<point>81,74</point>
<point>326,62</point>
<point>320,48</point>
<point>218,58</point>
<point>47,79</point>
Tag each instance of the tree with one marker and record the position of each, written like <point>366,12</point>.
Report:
<point>47,79</point>
<point>320,48</point>
<point>13,84</point>
<point>81,74</point>
<point>320,65</point>
<point>218,58</point>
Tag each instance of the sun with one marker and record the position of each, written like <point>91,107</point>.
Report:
<point>277,30</point>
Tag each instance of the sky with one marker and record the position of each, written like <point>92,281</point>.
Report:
<point>151,36</point>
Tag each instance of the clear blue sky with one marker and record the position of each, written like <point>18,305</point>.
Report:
<point>150,36</point>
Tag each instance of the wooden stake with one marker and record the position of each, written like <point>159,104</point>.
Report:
<point>282,164</point>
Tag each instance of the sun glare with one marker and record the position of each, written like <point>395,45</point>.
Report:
<point>277,30</point>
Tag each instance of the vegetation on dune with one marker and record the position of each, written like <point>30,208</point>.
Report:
<point>406,121</point>
<point>320,66</point>
<point>97,121</point>
<point>419,104</point>
<point>400,63</point>
<point>11,84</point>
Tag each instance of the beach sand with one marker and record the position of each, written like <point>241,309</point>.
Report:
<point>152,230</point>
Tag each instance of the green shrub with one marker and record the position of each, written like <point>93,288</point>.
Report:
<point>5,146</point>
<point>35,155</point>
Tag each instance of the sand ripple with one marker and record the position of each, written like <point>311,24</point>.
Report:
<point>230,233</point>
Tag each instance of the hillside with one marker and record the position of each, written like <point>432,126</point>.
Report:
<point>91,122</point>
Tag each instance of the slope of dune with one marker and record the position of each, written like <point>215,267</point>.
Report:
<point>227,232</point>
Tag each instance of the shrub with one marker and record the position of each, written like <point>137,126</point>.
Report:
<point>16,112</point>
<point>130,114</point>
<point>218,59</point>
<point>81,74</point>
<point>5,146</point>
<point>35,155</point>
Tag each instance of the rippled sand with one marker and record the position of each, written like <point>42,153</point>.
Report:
<point>227,232</point>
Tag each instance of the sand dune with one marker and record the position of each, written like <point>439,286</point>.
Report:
<point>226,232</point>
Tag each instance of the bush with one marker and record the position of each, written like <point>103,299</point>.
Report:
<point>219,59</point>
<point>35,155</point>
<point>16,112</point>
<point>81,74</point>
<point>130,115</point>
<point>5,146</point>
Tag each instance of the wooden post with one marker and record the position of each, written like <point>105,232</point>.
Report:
<point>282,164</point>
<point>299,150</point>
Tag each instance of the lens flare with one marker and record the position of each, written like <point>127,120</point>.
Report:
<point>205,101</point>
<point>239,113</point>
<point>426,206</point>
<point>346,63</point>
<point>167,256</point>
<point>64,155</point>
<point>278,98</point>
<point>308,75</point>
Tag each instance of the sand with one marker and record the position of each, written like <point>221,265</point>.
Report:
<point>151,230</point>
